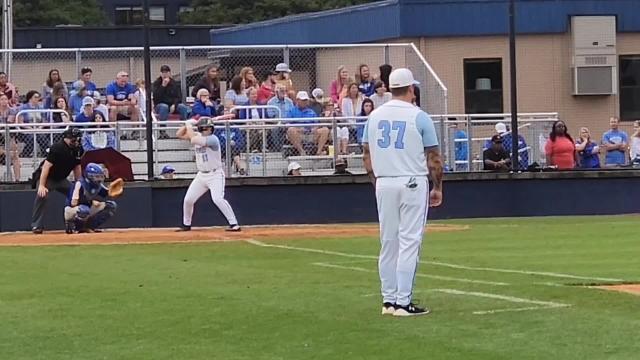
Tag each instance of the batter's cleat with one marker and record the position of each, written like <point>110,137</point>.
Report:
<point>69,227</point>
<point>388,308</point>
<point>184,228</point>
<point>234,228</point>
<point>410,310</point>
<point>37,231</point>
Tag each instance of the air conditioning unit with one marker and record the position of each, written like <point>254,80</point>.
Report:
<point>594,65</point>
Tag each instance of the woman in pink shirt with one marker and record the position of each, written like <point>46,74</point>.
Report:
<point>339,85</point>
<point>560,148</point>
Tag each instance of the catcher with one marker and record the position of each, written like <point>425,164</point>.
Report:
<point>87,206</point>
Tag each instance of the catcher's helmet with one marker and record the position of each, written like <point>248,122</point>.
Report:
<point>205,123</point>
<point>94,173</point>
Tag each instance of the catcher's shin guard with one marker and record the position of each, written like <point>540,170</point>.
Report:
<point>104,215</point>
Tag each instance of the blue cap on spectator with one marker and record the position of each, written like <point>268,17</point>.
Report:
<point>167,169</point>
<point>87,100</point>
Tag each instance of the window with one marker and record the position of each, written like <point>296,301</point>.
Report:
<point>483,86</point>
<point>129,15</point>
<point>156,14</point>
<point>630,87</point>
<point>184,9</point>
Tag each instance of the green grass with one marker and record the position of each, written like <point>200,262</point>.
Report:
<point>242,301</point>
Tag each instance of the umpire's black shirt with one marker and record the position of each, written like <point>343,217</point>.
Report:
<point>64,159</point>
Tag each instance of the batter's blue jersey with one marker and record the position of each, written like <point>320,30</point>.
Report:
<point>397,133</point>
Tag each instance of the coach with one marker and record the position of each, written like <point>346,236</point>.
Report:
<point>64,157</point>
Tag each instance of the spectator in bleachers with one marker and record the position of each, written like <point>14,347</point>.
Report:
<point>367,108</point>
<point>237,145</point>
<point>635,144</point>
<point>281,101</point>
<point>461,149</point>
<point>8,88</point>
<point>295,134</point>
<point>385,71</point>
<point>340,85</point>
<point>283,77</point>
<point>203,106</point>
<point>66,117</point>
<point>209,81</point>
<point>380,94</point>
<point>140,95</point>
<point>588,150</point>
<point>351,106</point>
<point>293,169</point>
<point>248,76</point>
<point>32,102</point>
<point>615,142</point>
<point>317,101</point>
<point>121,100</point>
<point>100,105</point>
<point>495,158</point>
<point>47,88</point>
<point>77,94</point>
<point>85,76</point>
<point>59,90</point>
<point>8,116</point>
<point>89,112</point>
<point>102,137</point>
<point>167,97</point>
<point>255,136</point>
<point>236,94</point>
<point>560,149</point>
<point>364,80</point>
<point>268,88</point>
<point>507,140</point>
<point>341,167</point>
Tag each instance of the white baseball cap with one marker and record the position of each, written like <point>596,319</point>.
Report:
<point>283,67</point>
<point>501,128</point>
<point>293,166</point>
<point>302,95</point>
<point>317,93</point>
<point>401,77</point>
<point>88,100</point>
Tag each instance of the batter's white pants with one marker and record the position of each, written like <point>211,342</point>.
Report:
<point>214,182</point>
<point>402,212</point>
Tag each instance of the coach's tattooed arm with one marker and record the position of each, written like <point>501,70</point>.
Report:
<point>434,163</point>
<point>366,158</point>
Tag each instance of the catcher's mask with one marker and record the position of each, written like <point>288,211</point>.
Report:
<point>94,173</point>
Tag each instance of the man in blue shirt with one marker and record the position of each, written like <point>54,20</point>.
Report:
<point>295,134</point>
<point>615,143</point>
<point>507,140</point>
<point>85,76</point>
<point>122,104</point>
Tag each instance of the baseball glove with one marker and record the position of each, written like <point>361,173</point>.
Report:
<point>116,188</point>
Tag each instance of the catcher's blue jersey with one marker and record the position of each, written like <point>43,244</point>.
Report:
<point>86,192</point>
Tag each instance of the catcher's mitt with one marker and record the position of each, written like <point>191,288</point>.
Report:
<point>116,188</point>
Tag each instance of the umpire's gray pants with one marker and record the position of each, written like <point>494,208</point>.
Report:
<point>61,186</point>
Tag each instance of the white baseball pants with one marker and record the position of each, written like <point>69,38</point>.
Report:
<point>214,182</point>
<point>403,204</point>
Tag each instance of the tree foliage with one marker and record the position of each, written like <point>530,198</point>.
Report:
<point>246,11</point>
<point>28,13</point>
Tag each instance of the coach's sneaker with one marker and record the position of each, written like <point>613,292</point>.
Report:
<point>184,228</point>
<point>410,310</point>
<point>37,230</point>
<point>234,228</point>
<point>388,308</point>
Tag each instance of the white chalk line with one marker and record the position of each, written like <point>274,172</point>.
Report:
<point>542,305</point>
<point>438,263</point>
<point>435,277</point>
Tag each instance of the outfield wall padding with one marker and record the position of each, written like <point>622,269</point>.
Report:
<point>348,200</point>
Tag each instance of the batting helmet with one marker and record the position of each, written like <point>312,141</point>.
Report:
<point>94,173</point>
<point>205,123</point>
<point>72,133</point>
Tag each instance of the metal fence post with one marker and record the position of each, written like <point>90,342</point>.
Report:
<point>183,74</point>
<point>334,126</point>
<point>117,136</point>
<point>227,146</point>
<point>470,158</point>
<point>285,55</point>
<point>8,158</point>
<point>386,59</point>
<point>78,63</point>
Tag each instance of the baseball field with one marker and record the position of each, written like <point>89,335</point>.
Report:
<point>498,289</point>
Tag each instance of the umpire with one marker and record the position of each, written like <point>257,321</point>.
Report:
<point>64,157</point>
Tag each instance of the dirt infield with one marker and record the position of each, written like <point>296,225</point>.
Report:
<point>167,236</point>
<point>626,288</point>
